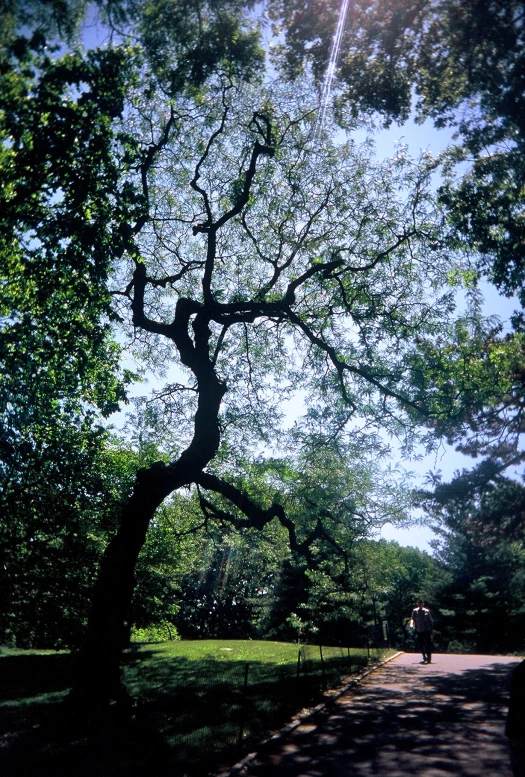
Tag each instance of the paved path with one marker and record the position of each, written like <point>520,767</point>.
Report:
<point>405,719</point>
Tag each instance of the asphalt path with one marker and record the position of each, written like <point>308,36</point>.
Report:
<point>445,718</point>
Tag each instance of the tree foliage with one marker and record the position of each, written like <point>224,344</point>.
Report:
<point>481,548</point>
<point>475,360</point>
<point>60,503</point>
<point>464,63</point>
<point>59,368</point>
<point>59,225</point>
<point>197,571</point>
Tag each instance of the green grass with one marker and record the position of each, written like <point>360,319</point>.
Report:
<point>197,696</point>
<point>31,683</point>
<point>204,695</point>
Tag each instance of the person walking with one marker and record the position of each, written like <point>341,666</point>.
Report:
<point>424,626</point>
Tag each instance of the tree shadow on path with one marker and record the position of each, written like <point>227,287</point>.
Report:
<point>405,720</point>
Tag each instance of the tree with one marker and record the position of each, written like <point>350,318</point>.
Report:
<point>226,274</point>
<point>58,20</point>
<point>225,594</point>
<point>464,63</point>
<point>459,64</point>
<point>401,575</point>
<point>334,496</point>
<point>229,246</point>
<point>476,360</point>
<point>63,209</point>
<point>60,505</point>
<point>344,494</point>
<point>197,572</point>
<point>481,548</point>
<point>59,368</point>
<point>58,233</point>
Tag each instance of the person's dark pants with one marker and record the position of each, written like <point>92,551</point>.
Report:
<point>424,643</point>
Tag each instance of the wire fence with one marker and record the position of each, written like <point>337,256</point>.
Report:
<point>222,703</point>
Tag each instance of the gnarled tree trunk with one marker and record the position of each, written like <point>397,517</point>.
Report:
<point>98,681</point>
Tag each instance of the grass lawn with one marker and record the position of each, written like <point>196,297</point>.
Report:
<point>194,697</point>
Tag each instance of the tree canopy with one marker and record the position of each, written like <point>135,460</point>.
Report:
<point>457,63</point>
<point>480,545</point>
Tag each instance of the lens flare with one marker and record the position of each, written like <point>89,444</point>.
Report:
<point>330,70</point>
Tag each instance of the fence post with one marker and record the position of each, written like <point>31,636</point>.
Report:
<point>298,663</point>
<point>349,661</point>
<point>322,667</point>
<point>243,702</point>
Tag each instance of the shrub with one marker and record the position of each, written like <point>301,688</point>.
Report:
<point>160,632</point>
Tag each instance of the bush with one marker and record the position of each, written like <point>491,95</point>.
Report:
<point>160,632</point>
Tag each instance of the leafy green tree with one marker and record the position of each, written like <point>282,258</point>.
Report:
<point>57,20</point>
<point>459,64</point>
<point>398,576</point>
<point>379,585</point>
<point>226,274</point>
<point>226,592</point>
<point>336,499</point>
<point>59,369</point>
<point>58,235</point>
<point>47,561</point>
<point>481,548</point>
<point>59,507</point>
<point>346,497</point>
<point>196,570</point>
<point>475,359</point>
<point>64,208</point>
